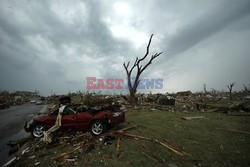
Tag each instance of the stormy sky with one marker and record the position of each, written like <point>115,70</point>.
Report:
<point>53,45</point>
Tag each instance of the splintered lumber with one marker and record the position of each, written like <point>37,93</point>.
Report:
<point>122,132</point>
<point>136,136</point>
<point>11,162</point>
<point>154,157</point>
<point>149,157</point>
<point>118,144</point>
<point>128,128</point>
<point>170,148</point>
<point>191,118</point>
<point>235,104</point>
<point>65,155</point>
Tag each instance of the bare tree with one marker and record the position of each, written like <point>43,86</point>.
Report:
<point>205,88</point>
<point>140,68</point>
<point>247,89</point>
<point>213,91</point>
<point>230,87</point>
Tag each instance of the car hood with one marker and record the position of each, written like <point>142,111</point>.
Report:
<point>41,117</point>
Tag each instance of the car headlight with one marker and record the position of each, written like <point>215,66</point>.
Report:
<point>117,114</point>
<point>123,108</point>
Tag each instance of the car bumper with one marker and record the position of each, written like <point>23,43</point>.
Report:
<point>117,118</point>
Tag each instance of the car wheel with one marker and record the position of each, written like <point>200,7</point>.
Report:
<point>38,130</point>
<point>97,128</point>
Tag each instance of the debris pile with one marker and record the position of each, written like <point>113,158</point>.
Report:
<point>71,145</point>
<point>8,99</point>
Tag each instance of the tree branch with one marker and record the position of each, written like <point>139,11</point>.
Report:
<point>149,42</point>
<point>150,61</point>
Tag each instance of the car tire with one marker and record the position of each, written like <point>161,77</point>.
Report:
<point>97,127</point>
<point>37,131</point>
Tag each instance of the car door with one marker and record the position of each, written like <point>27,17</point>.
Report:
<point>50,121</point>
<point>83,120</point>
<point>68,119</point>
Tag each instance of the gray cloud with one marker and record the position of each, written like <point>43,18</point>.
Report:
<point>55,45</point>
<point>208,24</point>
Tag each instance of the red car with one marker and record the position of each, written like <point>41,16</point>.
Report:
<point>75,118</point>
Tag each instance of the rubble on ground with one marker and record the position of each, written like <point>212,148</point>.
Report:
<point>8,99</point>
<point>75,143</point>
<point>72,144</point>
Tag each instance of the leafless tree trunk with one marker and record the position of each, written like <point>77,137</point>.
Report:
<point>246,89</point>
<point>140,68</point>
<point>213,91</point>
<point>230,87</point>
<point>205,88</point>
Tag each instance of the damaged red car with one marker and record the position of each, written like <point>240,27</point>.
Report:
<point>80,118</point>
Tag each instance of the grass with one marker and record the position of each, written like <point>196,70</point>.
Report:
<point>206,145</point>
<point>205,141</point>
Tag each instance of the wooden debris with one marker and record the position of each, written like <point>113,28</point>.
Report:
<point>192,118</point>
<point>37,163</point>
<point>213,110</point>
<point>81,135</point>
<point>118,144</point>
<point>25,150</point>
<point>238,113</point>
<point>34,146</point>
<point>121,132</point>
<point>46,138</point>
<point>170,148</point>
<point>152,158</point>
<point>136,136</point>
<point>221,149</point>
<point>235,104</point>
<point>71,159</point>
<point>11,162</point>
<point>64,156</point>
<point>109,156</point>
<point>242,132</point>
<point>128,128</point>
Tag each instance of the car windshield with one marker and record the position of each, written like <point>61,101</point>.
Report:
<point>68,111</point>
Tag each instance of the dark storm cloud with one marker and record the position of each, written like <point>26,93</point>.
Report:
<point>24,24</point>
<point>210,23</point>
<point>55,45</point>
